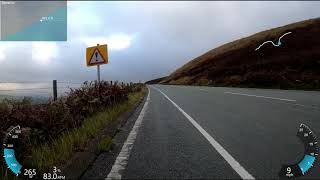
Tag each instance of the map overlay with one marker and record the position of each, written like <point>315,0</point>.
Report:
<point>33,20</point>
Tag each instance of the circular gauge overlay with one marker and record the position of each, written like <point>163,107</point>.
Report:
<point>310,155</point>
<point>12,144</point>
<point>9,145</point>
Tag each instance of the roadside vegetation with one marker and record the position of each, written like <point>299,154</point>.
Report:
<point>54,130</point>
<point>105,144</point>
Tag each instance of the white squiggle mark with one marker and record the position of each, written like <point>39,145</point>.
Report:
<point>276,45</point>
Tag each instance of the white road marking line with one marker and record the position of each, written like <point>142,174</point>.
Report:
<point>304,106</point>
<point>244,174</point>
<point>266,97</point>
<point>203,90</point>
<point>123,157</point>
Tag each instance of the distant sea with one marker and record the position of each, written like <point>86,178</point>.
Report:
<point>35,99</point>
<point>39,92</point>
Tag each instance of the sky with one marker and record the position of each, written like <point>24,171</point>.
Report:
<point>146,40</point>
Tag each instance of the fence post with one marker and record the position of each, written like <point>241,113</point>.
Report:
<point>98,73</point>
<point>55,94</point>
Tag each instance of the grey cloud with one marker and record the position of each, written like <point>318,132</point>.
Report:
<point>167,35</point>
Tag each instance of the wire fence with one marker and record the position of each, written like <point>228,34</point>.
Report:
<point>35,89</point>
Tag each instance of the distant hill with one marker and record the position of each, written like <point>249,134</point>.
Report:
<point>295,64</point>
<point>155,81</point>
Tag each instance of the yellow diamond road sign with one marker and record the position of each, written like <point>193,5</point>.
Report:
<point>97,55</point>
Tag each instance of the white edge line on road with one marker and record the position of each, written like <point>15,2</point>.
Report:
<point>281,99</point>
<point>231,161</point>
<point>123,157</point>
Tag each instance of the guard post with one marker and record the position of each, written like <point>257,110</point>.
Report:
<point>55,92</point>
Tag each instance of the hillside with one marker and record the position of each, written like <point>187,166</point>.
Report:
<point>295,64</point>
<point>155,81</point>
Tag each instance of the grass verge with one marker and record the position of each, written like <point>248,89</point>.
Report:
<point>62,148</point>
<point>105,144</point>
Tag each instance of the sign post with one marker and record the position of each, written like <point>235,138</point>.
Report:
<point>98,71</point>
<point>96,56</point>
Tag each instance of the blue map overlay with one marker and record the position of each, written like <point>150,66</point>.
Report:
<point>37,21</point>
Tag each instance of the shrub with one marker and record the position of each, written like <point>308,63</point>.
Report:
<point>53,118</point>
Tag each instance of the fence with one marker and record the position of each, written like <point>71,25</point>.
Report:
<point>40,90</point>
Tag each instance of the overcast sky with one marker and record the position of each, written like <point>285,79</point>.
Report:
<point>146,39</point>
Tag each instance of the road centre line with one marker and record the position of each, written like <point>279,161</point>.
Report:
<point>266,97</point>
<point>123,157</point>
<point>203,90</point>
<point>242,172</point>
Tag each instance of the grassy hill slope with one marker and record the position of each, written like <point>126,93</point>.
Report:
<point>295,64</point>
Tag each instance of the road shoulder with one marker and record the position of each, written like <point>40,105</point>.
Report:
<point>80,164</point>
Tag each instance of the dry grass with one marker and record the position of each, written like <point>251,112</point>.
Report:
<point>296,64</point>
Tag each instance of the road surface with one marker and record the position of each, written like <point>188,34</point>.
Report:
<point>216,132</point>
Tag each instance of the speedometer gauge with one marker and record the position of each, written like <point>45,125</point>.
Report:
<point>310,155</point>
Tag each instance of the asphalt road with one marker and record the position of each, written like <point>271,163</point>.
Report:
<point>256,127</point>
